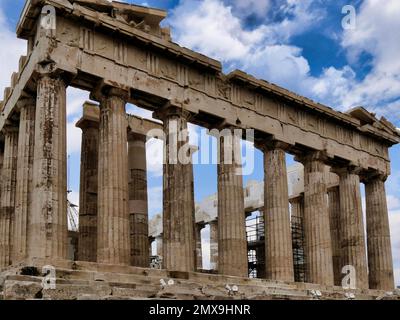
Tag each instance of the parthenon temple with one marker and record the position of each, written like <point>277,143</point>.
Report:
<point>314,232</point>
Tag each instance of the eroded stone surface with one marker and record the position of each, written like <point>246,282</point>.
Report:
<point>121,55</point>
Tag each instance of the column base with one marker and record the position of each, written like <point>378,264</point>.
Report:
<point>94,281</point>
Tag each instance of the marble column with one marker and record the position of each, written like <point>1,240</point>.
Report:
<point>24,177</point>
<point>334,219</point>
<point>318,245</point>
<point>87,243</point>
<point>199,253</point>
<point>351,226</point>
<point>278,236</point>
<point>47,224</point>
<point>380,261</point>
<point>138,200</point>
<point>213,245</point>
<point>232,242</point>
<point>7,204</point>
<point>178,216</point>
<point>113,238</point>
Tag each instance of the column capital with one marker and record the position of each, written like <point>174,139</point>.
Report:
<point>346,169</point>
<point>319,156</point>
<point>47,69</point>
<point>90,117</point>
<point>271,144</point>
<point>370,176</point>
<point>103,91</point>
<point>10,127</point>
<point>170,110</point>
<point>84,123</point>
<point>26,101</point>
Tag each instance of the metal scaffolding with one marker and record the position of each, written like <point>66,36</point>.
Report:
<point>298,249</point>
<point>256,246</point>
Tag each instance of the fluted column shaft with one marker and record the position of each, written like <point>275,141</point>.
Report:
<point>138,200</point>
<point>318,246</point>
<point>352,240</point>
<point>380,261</point>
<point>87,244</point>
<point>47,226</point>
<point>334,219</point>
<point>24,179</point>
<point>199,253</point>
<point>7,205</point>
<point>278,237</point>
<point>113,240</point>
<point>213,245</point>
<point>178,215</point>
<point>232,243</point>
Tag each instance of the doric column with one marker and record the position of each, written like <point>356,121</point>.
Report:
<point>178,215</point>
<point>113,239</point>
<point>87,244</point>
<point>232,243</point>
<point>8,184</point>
<point>24,177</point>
<point>278,238</point>
<point>352,240</point>
<point>213,245</point>
<point>199,254</point>
<point>138,200</point>
<point>318,246</point>
<point>334,219</point>
<point>380,262</point>
<point>47,225</point>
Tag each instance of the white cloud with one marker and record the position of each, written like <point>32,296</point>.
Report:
<point>75,100</point>
<point>393,202</point>
<point>376,35</point>
<point>210,27</point>
<point>258,8</point>
<point>74,137</point>
<point>154,156</point>
<point>11,50</point>
<point>155,199</point>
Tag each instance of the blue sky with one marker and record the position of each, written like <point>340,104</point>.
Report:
<point>300,45</point>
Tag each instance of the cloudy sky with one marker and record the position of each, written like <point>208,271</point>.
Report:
<point>300,45</point>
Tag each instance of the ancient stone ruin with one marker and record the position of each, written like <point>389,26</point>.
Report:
<point>120,54</point>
